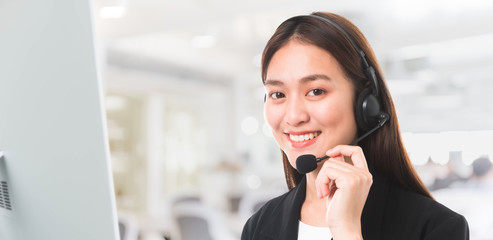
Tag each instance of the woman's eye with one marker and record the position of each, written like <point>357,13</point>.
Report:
<point>315,92</point>
<point>277,95</point>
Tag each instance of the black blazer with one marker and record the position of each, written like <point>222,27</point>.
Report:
<point>390,212</point>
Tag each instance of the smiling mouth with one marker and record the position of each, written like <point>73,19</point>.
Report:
<point>304,137</point>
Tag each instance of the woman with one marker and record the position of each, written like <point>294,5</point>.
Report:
<point>325,95</point>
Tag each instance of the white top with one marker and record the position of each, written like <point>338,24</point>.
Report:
<point>309,232</point>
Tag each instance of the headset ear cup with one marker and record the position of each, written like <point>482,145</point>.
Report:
<point>367,110</point>
<point>358,111</point>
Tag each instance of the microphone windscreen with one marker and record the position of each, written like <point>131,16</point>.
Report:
<point>306,163</point>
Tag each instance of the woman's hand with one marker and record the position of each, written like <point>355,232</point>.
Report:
<point>346,185</point>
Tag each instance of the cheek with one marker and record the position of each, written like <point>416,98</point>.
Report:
<point>336,114</point>
<point>330,113</point>
<point>273,116</point>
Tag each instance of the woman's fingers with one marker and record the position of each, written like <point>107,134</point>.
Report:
<point>340,175</point>
<point>354,152</point>
<point>330,171</point>
<point>322,182</point>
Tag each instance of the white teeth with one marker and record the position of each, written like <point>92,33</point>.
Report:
<point>304,137</point>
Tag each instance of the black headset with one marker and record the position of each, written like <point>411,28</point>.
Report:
<point>367,109</point>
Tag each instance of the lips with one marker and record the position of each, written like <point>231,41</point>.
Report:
<point>302,139</point>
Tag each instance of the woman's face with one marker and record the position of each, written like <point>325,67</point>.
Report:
<point>309,102</point>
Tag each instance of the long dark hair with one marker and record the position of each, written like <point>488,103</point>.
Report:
<point>383,149</point>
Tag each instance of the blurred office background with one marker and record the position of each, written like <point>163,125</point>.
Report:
<point>189,144</point>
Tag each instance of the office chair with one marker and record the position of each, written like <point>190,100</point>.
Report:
<point>127,228</point>
<point>195,220</point>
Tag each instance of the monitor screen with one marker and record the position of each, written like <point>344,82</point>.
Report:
<point>55,173</point>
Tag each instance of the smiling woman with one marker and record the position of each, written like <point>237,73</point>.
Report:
<point>325,93</point>
<point>310,98</point>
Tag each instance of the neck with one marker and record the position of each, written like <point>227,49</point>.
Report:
<point>313,208</point>
<point>311,190</point>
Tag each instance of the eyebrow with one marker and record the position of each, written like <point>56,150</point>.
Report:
<point>309,78</point>
<point>314,77</point>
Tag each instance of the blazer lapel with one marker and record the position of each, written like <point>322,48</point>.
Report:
<point>284,221</point>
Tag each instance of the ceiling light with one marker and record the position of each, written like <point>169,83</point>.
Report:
<point>204,41</point>
<point>112,12</point>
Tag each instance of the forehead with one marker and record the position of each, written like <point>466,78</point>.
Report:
<point>297,60</point>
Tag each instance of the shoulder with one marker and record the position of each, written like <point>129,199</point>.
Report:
<point>417,204</point>
<point>421,214</point>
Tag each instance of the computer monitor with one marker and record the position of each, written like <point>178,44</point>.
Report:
<point>55,175</point>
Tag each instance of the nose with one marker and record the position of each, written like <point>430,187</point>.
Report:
<point>296,113</point>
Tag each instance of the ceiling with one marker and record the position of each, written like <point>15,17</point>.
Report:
<point>436,55</point>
